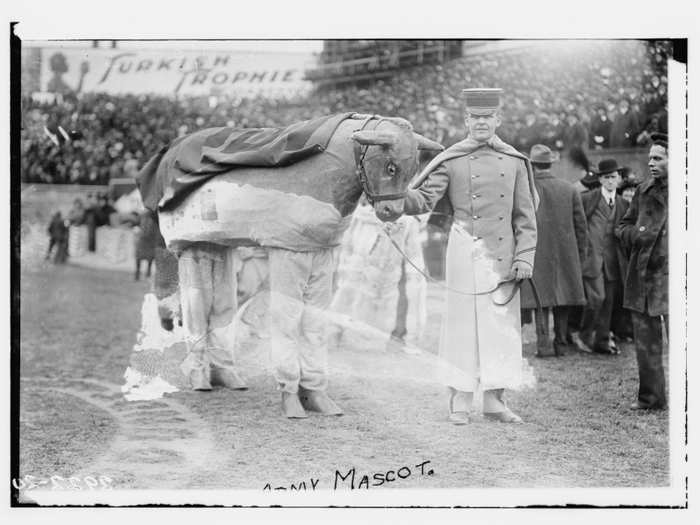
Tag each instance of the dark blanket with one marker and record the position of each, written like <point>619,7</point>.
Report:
<point>200,156</point>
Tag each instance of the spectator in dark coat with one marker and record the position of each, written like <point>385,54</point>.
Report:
<point>625,127</point>
<point>575,133</point>
<point>58,238</point>
<point>104,211</point>
<point>146,238</point>
<point>561,249</point>
<point>604,269</point>
<point>600,129</point>
<point>643,231</point>
<point>90,219</point>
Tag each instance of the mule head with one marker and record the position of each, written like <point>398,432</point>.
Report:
<point>390,162</point>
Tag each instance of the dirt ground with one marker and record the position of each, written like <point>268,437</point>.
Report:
<point>78,327</point>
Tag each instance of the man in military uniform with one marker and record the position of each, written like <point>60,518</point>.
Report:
<point>488,188</point>
<point>643,231</point>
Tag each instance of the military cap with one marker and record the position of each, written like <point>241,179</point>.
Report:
<point>482,101</point>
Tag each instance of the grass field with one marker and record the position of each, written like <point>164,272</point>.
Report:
<point>78,327</point>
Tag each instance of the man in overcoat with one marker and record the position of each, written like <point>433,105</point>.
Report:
<point>487,186</point>
<point>604,268</point>
<point>562,239</point>
<point>644,231</point>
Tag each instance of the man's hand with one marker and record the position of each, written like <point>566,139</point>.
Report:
<point>520,270</point>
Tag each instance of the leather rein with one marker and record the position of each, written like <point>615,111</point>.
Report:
<point>516,283</point>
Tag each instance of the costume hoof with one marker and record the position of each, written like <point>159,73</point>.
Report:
<point>199,381</point>
<point>503,417</point>
<point>291,406</point>
<point>459,418</point>
<point>318,401</point>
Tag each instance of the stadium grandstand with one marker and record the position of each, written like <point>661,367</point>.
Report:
<point>589,94</point>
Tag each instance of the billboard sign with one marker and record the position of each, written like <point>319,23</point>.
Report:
<point>173,72</point>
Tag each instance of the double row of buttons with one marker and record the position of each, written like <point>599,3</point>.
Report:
<point>476,217</point>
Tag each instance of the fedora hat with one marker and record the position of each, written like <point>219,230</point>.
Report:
<point>607,166</point>
<point>541,154</point>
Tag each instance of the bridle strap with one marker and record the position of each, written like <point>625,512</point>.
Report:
<point>360,153</point>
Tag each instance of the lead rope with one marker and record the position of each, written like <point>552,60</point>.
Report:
<point>516,284</point>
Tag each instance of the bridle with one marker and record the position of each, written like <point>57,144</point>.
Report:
<point>360,152</point>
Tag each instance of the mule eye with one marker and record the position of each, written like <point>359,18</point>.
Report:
<point>391,169</point>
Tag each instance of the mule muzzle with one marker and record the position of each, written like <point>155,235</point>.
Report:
<point>389,210</point>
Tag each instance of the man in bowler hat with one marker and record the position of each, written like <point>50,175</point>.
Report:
<point>604,269</point>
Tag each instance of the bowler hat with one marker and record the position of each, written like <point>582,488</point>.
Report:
<point>606,166</point>
<point>482,101</point>
<point>541,154</point>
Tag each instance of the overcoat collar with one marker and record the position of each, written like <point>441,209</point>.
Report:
<point>468,146</point>
<point>653,186</point>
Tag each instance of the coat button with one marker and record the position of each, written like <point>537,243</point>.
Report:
<point>500,218</point>
<point>503,174</point>
<point>500,238</point>
<point>502,195</point>
<point>477,238</point>
<point>642,228</point>
<point>475,217</point>
<point>500,258</point>
<point>500,156</point>
<point>475,196</point>
<point>472,157</point>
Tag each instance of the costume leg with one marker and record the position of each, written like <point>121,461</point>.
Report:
<point>289,274</point>
<point>648,341</point>
<point>313,353</point>
<point>196,293</point>
<point>224,306</point>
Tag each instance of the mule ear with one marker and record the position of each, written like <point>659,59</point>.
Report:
<point>375,138</point>
<point>427,144</point>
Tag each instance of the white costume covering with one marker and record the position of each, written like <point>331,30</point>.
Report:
<point>370,271</point>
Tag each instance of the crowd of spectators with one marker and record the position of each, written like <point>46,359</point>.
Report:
<point>587,94</point>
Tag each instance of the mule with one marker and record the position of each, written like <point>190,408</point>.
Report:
<point>293,211</point>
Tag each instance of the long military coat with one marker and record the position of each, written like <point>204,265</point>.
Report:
<point>646,284</point>
<point>562,239</point>
<point>494,224</point>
